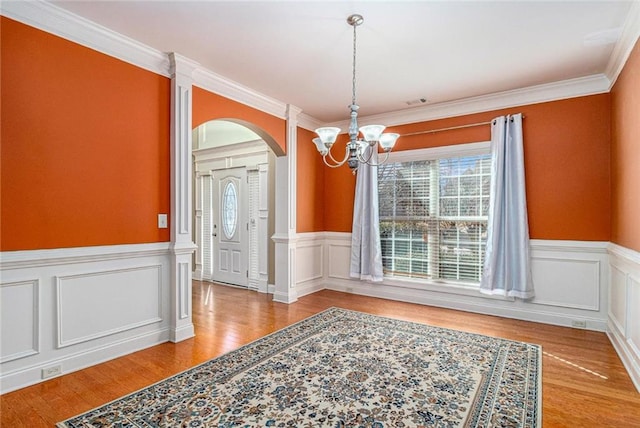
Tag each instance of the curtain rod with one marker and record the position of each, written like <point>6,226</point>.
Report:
<point>470,125</point>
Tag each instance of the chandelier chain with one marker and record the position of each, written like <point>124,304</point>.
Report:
<point>353,82</point>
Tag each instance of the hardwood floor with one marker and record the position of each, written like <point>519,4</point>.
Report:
<point>584,382</point>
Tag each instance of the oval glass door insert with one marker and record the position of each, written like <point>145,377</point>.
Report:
<point>229,209</point>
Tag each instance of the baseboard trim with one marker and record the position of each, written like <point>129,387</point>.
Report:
<point>626,356</point>
<point>182,333</point>
<point>456,302</point>
<point>27,376</point>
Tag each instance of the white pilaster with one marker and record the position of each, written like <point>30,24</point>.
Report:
<point>182,246</point>
<point>285,236</point>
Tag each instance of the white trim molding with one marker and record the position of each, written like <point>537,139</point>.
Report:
<point>19,304</point>
<point>77,307</point>
<point>56,20</point>
<point>570,279</point>
<point>232,90</point>
<point>285,211</point>
<point>623,326</point>
<point>571,88</point>
<point>98,295</point>
<point>625,44</point>
<point>310,269</point>
<point>182,246</point>
<point>53,19</point>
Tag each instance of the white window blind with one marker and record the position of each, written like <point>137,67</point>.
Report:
<point>433,217</point>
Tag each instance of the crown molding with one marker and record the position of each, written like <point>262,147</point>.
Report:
<point>582,86</point>
<point>309,123</point>
<point>55,20</point>
<point>227,88</point>
<point>625,44</point>
<point>181,65</point>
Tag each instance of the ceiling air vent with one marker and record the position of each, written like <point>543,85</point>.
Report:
<point>417,101</point>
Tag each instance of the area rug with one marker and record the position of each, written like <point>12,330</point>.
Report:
<point>342,368</point>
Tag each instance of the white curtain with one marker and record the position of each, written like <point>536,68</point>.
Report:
<point>366,253</point>
<point>507,269</point>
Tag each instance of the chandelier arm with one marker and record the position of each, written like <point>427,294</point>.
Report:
<point>330,165</point>
<point>336,165</point>
<point>363,160</point>
<point>382,162</point>
<point>346,156</point>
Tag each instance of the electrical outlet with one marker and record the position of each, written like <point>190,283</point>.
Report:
<point>579,324</point>
<point>162,221</point>
<point>51,371</point>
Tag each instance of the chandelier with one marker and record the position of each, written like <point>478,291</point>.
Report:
<point>372,135</point>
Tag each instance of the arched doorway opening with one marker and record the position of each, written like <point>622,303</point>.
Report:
<point>234,204</point>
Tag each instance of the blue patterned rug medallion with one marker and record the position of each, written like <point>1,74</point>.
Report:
<point>342,368</point>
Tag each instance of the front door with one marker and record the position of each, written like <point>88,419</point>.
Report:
<point>230,226</point>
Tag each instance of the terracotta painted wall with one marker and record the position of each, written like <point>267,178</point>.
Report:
<point>567,157</point>
<point>625,155</point>
<point>85,145</point>
<point>209,106</point>
<point>310,185</point>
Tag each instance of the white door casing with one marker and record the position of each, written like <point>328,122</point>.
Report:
<point>230,226</point>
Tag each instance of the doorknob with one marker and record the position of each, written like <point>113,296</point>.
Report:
<point>214,234</point>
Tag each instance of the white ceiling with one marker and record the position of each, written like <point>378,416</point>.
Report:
<point>300,52</point>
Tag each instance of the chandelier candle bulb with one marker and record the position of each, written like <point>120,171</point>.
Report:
<point>328,135</point>
<point>320,146</point>
<point>387,141</point>
<point>372,132</point>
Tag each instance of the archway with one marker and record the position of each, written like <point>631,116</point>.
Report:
<point>234,154</point>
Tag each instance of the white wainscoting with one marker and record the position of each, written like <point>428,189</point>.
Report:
<point>570,279</point>
<point>77,307</point>
<point>310,264</point>
<point>624,309</point>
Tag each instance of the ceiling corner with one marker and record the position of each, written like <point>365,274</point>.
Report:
<point>626,43</point>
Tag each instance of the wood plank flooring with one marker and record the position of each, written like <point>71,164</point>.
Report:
<point>584,382</point>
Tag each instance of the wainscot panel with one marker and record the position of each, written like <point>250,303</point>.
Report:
<point>134,294</point>
<point>20,310</point>
<point>67,309</point>
<point>310,264</point>
<point>570,279</point>
<point>623,325</point>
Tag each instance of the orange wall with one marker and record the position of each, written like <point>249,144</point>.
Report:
<point>567,145</point>
<point>625,155</point>
<point>310,184</point>
<point>209,106</point>
<point>85,145</point>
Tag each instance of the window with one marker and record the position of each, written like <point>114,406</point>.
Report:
<point>433,212</point>
<point>229,210</point>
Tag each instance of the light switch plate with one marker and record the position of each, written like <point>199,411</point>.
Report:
<point>162,221</point>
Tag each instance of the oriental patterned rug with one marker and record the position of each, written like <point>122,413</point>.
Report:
<point>342,368</point>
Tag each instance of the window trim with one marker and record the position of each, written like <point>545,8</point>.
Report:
<point>432,153</point>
